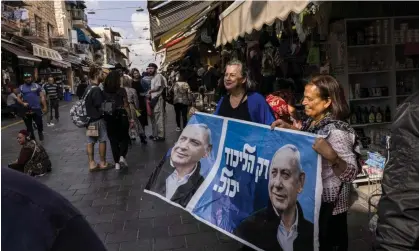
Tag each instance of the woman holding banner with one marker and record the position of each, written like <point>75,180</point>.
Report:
<point>241,102</point>
<point>325,105</point>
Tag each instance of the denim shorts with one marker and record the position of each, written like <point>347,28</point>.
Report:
<point>103,137</point>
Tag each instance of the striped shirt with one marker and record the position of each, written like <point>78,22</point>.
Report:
<point>51,90</point>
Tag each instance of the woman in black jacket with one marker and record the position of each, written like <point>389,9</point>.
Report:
<point>141,93</point>
<point>116,115</point>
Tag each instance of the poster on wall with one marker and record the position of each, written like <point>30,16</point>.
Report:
<point>258,186</point>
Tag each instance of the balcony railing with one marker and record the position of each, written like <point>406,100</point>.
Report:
<point>81,48</point>
<point>78,14</point>
<point>57,42</point>
<point>34,30</point>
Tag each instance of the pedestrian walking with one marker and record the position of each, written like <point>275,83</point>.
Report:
<point>117,117</point>
<point>135,127</point>
<point>51,91</point>
<point>142,96</point>
<point>182,100</point>
<point>96,129</point>
<point>32,98</point>
<point>81,88</point>
<point>158,83</point>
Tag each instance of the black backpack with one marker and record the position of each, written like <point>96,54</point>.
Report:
<point>109,105</point>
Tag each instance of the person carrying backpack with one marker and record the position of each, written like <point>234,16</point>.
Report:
<point>117,116</point>
<point>32,98</point>
<point>96,127</point>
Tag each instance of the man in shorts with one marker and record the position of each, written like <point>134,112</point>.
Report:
<point>93,103</point>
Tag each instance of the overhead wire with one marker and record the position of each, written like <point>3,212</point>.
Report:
<point>116,20</point>
<point>137,7</point>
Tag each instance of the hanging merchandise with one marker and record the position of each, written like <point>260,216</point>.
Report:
<point>268,62</point>
<point>279,28</point>
<point>313,57</point>
<point>205,37</point>
<point>25,14</point>
<point>301,32</point>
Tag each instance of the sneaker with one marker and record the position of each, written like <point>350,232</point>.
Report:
<point>178,129</point>
<point>123,161</point>
<point>117,166</point>
<point>151,137</point>
<point>50,124</point>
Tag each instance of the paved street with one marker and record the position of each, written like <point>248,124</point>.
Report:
<point>114,203</point>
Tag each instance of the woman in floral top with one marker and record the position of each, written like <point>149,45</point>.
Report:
<point>182,100</point>
<point>325,105</point>
<point>33,159</point>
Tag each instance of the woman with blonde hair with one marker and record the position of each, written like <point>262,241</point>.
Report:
<point>134,105</point>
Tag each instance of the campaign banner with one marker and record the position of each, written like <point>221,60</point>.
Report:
<point>259,186</point>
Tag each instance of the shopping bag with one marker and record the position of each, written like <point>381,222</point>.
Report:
<point>149,111</point>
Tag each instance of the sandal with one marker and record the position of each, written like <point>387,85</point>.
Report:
<point>94,169</point>
<point>106,167</point>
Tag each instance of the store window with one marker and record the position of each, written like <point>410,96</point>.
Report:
<point>50,31</point>
<point>38,26</point>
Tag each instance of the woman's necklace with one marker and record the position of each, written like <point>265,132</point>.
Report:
<point>315,122</point>
<point>236,100</point>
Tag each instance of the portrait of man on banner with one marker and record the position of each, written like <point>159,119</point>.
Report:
<point>281,225</point>
<point>178,175</point>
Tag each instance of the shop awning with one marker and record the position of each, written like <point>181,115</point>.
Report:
<point>20,53</point>
<point>176,16</point>
<point>73,60</point>
<point>179,50</point>
<point>60,64</point>
<point>44,52</point>
<point>82,36</point>
<point>242,17</point>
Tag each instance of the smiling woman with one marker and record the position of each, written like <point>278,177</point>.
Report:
<point>241,102</point>
<point>339,147</point>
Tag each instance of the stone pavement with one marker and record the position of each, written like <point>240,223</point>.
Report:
<point>114,202</point>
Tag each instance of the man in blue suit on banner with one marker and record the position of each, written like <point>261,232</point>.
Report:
<point>179,178</point>
<point>281,225</point>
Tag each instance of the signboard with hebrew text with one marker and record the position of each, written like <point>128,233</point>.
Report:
<point>245,180</point>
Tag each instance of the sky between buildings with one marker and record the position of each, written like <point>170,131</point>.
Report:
<point>122,17</point>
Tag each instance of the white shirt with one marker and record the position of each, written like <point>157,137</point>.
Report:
<point>11,99</point>
<point>286,239</point>
<point>173,182</point>
<point>158,81</point>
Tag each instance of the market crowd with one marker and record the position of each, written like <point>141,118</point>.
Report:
<point>119,105</point>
